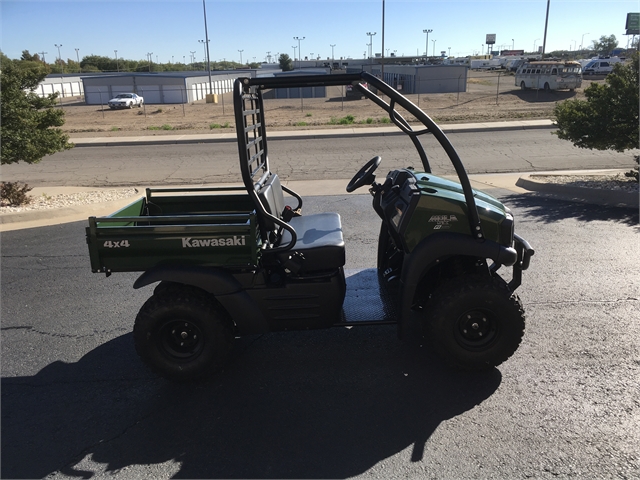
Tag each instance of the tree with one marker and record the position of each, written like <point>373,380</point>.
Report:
<point>286,64</point>
<point>605,45</point>
<point>28,57</point>
<point>608,118</point>
<point>28,123</point>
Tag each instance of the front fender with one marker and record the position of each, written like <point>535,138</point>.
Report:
<point>427,254</point>
<point>243,310</point>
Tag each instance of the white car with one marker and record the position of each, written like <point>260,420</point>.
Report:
<point>126,100</point>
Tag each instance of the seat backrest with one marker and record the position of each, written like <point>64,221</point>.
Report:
<point>272,199</point>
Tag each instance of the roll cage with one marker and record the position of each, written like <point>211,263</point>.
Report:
<point>252,138</point>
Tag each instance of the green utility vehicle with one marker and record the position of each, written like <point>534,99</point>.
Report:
<point>235,261</point>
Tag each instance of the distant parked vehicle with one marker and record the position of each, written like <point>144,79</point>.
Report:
<point>126,100</point>
<point>600,66</point>
<point>549,75</point>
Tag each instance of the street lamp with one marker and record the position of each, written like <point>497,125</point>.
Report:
<point>513,44</point>
<point>78,55</point>
<point>534,45</point>
<point>204,45</point>
<point>332,45</point>
<point>59,57</point>
<point>582,39</point>
<point>294,52</point>
<point>206,36</point>
<point>426,48</point>
<point>193,57</point>
<point>241,56</point>
<point>117,67</point>
<point>371,43</point>
<point>449,50</point>
<point>150,55</point>
<point>299,39</point>
<point>434,48</point>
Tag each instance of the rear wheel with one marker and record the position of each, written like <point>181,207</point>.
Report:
<point>182,334</point>
<point>547,88</point>
<point>475,322</point>
<point>523,86</point>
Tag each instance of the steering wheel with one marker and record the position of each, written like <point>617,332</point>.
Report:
<point>365,175</point>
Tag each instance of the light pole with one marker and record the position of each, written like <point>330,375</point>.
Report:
<point>513,44</point>
<point>449,50</point>
<point>294,52</point>
<point>206,37</point>
<point>150,55</point>
<point>371,43</point>
<point>193,57</point>
<point>78,55</point>
<point>204,46</point>
<point>582,40</point>
<point>59,57</point>
<point>332,58</point>
<point>117,67</point>
<point>434,48</point>
<point>534,44</point>
<point>241,56</point>
<point>426,48</point>
<point>299,39</point>
<point>268,57</point>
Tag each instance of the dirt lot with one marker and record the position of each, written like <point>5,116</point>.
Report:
<point>489,97</point>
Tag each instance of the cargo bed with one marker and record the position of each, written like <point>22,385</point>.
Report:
<point>213,226</point>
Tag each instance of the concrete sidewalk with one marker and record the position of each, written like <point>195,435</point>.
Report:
<point>172,139</point>
<point>517,183</point>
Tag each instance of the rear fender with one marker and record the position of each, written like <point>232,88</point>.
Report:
<point>428,254</point>
<point>227,290</point>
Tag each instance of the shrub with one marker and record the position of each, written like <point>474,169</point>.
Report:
<point>14,194</point>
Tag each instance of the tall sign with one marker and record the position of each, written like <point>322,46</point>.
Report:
<point>633,24</point>
<point>491,39</point>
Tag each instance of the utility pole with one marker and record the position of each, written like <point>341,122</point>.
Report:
<point>43,54</point>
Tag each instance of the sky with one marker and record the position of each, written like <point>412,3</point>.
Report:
<point>170,29</point>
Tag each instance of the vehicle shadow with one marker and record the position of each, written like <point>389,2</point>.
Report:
<point>549,209</point>
<point>327,404</point>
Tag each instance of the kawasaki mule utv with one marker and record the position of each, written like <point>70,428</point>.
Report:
<point>235,261</point>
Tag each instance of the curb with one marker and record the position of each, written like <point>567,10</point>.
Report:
<point>594,196</point>
<point>306,134</point>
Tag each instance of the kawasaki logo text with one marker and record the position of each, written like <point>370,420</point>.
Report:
<point>214,242</point>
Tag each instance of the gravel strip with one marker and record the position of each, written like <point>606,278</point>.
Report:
<point>45,202</point>
<point>604,182</point>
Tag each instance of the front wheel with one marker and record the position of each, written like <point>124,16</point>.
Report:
<point>547,88</point>
<point>182,334</point>
<point>523,86</point>
<point>474,322</point>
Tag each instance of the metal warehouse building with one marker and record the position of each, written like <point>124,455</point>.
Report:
<point>161,87</point>
<point>421,78</point>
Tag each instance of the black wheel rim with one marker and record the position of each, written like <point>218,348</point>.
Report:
<point>181,339</point>
<point>476,329</point>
